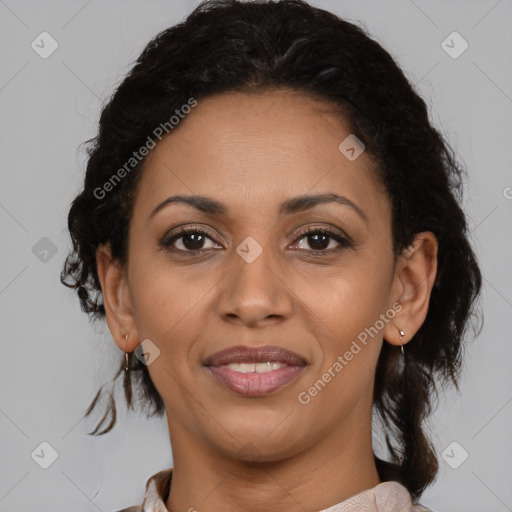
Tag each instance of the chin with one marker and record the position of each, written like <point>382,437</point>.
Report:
<point>263,445</point>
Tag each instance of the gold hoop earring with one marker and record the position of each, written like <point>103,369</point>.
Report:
<point>126,366</point>
<point>402,334</point>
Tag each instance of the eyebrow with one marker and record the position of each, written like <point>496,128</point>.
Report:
<point>292,205</point>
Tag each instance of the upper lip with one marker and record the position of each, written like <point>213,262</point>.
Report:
<point>245,354</point>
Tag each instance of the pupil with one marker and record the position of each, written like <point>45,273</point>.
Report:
<point>194,245</point>
<point>322,242</point>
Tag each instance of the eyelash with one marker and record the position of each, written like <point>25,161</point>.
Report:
<point>345,242</point>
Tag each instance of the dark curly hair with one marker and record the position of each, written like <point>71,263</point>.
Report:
<point>230,46</point>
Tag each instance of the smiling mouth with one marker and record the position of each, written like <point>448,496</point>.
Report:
<point>268,366</point>
<point>255,371</point>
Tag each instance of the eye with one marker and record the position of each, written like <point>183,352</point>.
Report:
<point>323,240</point>
<point>188,240</point>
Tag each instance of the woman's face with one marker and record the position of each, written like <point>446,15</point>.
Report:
<point>248,276</point>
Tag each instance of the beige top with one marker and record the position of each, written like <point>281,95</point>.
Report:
<point>384,497</point>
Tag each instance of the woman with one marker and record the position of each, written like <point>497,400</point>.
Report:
<point>271,228</point>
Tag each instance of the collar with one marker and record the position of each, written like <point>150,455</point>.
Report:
<point>387,496</point>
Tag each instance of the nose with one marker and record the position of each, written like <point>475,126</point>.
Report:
<point>254,294</point>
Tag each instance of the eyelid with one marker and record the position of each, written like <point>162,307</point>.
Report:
<point>328,229</point>
<point>187,228</point>
<point>184,229</point>
<point>178,231</point>
<point>338,235</point>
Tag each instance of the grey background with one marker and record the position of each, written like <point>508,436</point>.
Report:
<point>53,360</point>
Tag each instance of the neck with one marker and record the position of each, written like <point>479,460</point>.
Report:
<point>339,466</point>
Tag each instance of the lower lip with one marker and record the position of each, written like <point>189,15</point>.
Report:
<point>255,384</point>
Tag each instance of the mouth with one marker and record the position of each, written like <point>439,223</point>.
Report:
<point>255,371</point>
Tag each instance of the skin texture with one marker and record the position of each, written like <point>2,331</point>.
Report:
<point>251,152</point>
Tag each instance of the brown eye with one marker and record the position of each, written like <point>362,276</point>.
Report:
<point>187,240</point>
<point>322,240</point>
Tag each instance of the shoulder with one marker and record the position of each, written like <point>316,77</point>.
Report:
<point>392,495</point>
<point>157,491</point>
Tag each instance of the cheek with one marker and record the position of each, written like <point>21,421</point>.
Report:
<point>171,307</point>
<point>346,309</point>
<point>344,324</point>
<point>166,296</point>
<point>350,296</point>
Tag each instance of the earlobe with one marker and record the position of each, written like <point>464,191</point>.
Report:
<point>116,299</point>
<point>414,279</point>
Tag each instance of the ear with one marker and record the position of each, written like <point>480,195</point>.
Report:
<point>414,277</point>
<point>116,299</point>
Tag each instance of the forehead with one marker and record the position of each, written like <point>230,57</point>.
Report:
<point>258,148</point>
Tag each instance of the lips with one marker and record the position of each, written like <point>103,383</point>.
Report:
<point>244,354</point>
<point>242,369</point>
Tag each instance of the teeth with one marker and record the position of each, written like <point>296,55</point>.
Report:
<point>255,367</point>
